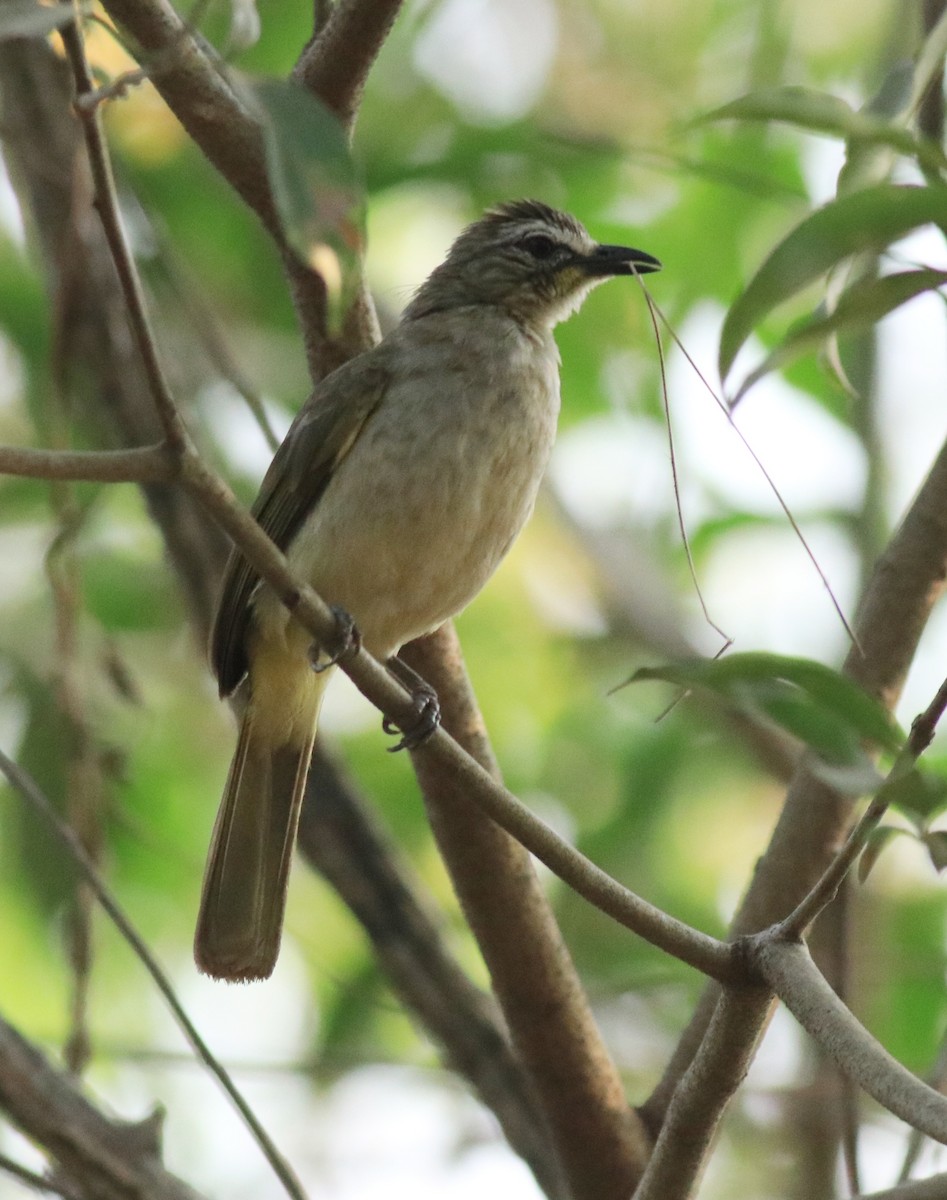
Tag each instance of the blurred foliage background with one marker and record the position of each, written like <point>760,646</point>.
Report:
<point>591,107</point>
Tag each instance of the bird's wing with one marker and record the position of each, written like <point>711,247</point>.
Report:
<point>324,431</point>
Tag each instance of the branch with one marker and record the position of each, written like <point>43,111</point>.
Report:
<point>904,586</point>
<point>794,977</point>
<point>825,890</point>
<point>109,1160</point>
<point>703,1093</point>
<point>335,64</point>
<point>601,1144</point>
<point>196,90</point>
<point>374,681</point>
<point>107,204</point>
<point>151,464</point>
<point>344,839</point>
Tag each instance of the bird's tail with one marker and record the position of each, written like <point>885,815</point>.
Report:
<point>244,896</point>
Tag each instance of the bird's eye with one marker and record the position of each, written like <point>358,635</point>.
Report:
<point>539,246</point>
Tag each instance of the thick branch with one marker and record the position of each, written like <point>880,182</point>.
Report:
<point>335,64</point>
<point>198,94</point>
<point>356,858</point>
<point>703,1093</point>
<point>462,774</point>
<point>600,1143</point>
<point>196,90</point>
<point>108,1160</point>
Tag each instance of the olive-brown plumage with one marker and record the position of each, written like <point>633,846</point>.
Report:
<point>400,486</point>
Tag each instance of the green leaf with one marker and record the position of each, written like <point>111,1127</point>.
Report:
<point>821,112</point>
<point>936,842</point>
<point>27,18</point>
<point>824,731</point>
<point>920,794</point>
<point>868,220</point>
<point>861,306</point>
<point>860,777</point>
<point>810,109</point>
<point>316,184</point>
<point>824,709</point>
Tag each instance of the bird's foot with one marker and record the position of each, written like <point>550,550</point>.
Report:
<point>426,707</point>
<point>348,642</point>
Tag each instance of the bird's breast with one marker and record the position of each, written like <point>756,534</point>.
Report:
<point>433,493</point>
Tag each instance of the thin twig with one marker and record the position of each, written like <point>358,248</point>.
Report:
<point>39,1183</point>
<point>118,89</point>
<point>106,203</point>
<point>150,464</point>
<point>920,737</point>
<point>26,787</point>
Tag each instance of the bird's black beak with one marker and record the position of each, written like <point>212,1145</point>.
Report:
<point>619,260</point>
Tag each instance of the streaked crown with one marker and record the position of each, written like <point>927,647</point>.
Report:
<point>534,261</point>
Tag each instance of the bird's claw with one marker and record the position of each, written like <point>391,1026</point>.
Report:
<point>428,718</point>
<point>348,643</point>
<point>427,709</point>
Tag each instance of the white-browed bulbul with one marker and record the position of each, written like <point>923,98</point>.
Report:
<point>400,486</point>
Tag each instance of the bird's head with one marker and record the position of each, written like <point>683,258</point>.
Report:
<point>531,260</point>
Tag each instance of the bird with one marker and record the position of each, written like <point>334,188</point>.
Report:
<point>399,488</point>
